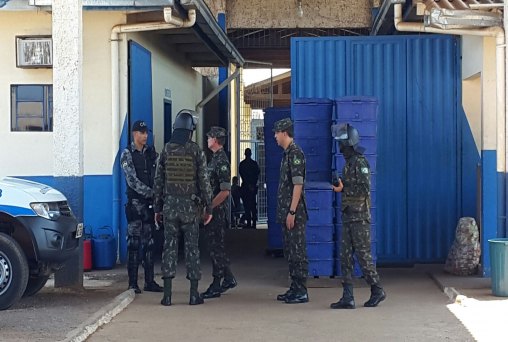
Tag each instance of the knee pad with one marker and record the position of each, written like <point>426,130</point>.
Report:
<point>133,243</point>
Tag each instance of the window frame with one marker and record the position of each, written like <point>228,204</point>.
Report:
<point>47,108</point>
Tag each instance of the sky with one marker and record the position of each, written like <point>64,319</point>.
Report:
<point>255,75</point>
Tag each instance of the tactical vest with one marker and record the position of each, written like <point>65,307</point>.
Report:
<point>144,164</point>
<point>180,171</point>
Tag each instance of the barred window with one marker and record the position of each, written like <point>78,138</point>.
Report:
<point>32,108</point>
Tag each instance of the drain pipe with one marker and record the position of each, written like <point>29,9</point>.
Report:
<point>170,22</point>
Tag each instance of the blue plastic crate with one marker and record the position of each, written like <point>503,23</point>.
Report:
<point>356,108</point>
<point>321,267</point>
<point>338,162</point>
<point>304,108</point>
<point>373,215</point>
<point>317,175</point>
<point>320,250</point>
<point>313,127</point>
<point>319,199</point>
<point>319,233</point>
<point>315,146</point>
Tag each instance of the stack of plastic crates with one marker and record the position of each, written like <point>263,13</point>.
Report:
<point>312,119</point>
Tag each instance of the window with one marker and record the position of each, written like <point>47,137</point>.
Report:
<point>32,108</point>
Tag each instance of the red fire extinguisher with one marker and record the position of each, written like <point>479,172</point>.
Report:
<point>87,250</point>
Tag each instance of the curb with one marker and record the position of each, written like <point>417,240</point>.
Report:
<point>449,291</point>
<point>101,317</point>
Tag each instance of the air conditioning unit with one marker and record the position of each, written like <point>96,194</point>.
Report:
<point>34,52</point>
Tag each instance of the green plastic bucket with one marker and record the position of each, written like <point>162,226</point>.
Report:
<point>499,263</point>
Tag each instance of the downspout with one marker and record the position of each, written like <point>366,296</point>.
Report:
<point>170,22</point>
<point>501,94</point>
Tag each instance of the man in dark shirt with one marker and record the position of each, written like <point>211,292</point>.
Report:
<point>249,171</point>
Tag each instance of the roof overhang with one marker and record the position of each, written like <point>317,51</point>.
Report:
<point>204,44</point>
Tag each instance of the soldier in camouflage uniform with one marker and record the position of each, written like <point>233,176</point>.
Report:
<point>220,175</point>
<point>138,163</point>
<point>292,212</point>
<point>355,189</point>
<point>183,195</point>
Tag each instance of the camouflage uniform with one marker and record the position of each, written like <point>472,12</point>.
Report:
<point>292,172</point>
<point>356,220</point>
<point>220,175</point>
<point>139,168</point>
<point>182,190</point>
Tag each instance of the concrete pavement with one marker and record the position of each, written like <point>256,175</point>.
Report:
<point>423,304</point>
<point>415,310</point>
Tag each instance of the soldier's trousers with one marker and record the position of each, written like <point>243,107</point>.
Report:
<point>356,239</point>
<point>140,244</point>
<point>214,232</point>
<point>295,251</point>
<point>190,229</point>
<point>249,203</point>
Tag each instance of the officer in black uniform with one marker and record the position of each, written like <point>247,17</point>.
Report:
<point>138,163</point>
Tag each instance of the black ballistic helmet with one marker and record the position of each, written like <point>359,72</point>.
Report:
<point>347,135</point>
<point>186,119</point>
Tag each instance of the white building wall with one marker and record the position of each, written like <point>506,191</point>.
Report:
<point>31,153</point>
<point>22,153</point>
<point>97,134</point>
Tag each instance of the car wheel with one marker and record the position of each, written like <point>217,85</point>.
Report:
<point>35,284</point>
<point>13,271</point>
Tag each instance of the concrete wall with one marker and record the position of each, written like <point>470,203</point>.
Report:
<point>282,13</point>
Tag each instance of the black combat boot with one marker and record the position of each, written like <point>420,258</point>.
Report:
<point>195,298</point>
<point>299,295</point>
<point>214,290</point>
<point>282,297</point>
<point>150,284</point>
<point>229,281</point>
<point>132,270</point>
<point>377,295</point>
<point>166,299</point>
<point>347,301</point>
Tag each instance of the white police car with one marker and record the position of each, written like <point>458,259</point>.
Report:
<point>38,233</point>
